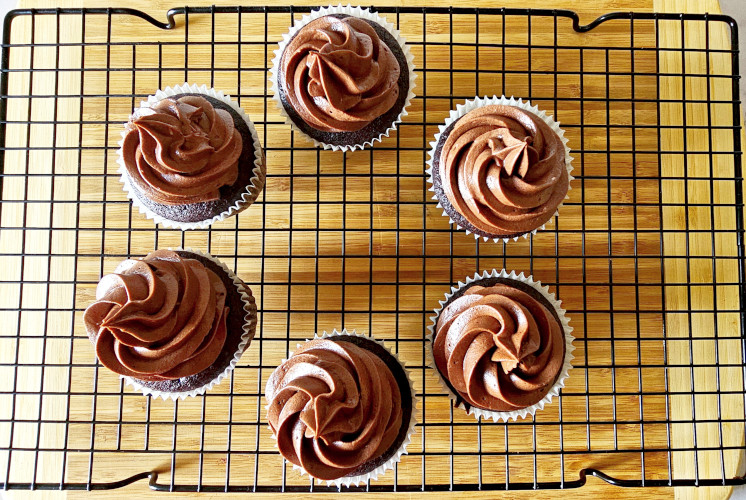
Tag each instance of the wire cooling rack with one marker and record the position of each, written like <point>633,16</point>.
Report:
<point>646,254</point>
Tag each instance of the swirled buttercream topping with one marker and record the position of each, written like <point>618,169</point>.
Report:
<point>339,75</point>
<point>503,169</point>
<point>333,406</point>
<point>498,347</point>
<point>181,150</point>
<point>162,318</point>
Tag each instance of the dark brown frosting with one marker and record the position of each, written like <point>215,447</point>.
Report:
<point>163,318</point>
<point>498,347</point>
<point>333,406</point>
<point>181,150</point>
<point>503,169</point>
<point>339,75</point>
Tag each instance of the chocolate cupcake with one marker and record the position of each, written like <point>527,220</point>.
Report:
<point>190,156</point>
<point>343,77</point>
<point>341,408</point>
<point>499,168</point>
<point>172,324</point>
<point>501,345</point>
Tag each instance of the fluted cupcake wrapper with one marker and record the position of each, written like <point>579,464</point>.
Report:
<point>498,416</point>
<point>478,102</point>
<point>396,457</point>
<point>350,11</point>
<point>247,197</point>
<point>249,327</point>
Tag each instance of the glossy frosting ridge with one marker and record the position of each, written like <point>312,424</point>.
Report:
<point>339,75</point>
<point>503,168</point>
<point>500,348</point>
<point>333,406</point>
<point>181,150</point>
<point>162,318</point>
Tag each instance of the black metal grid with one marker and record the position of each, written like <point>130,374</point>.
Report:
<point>353,240</point>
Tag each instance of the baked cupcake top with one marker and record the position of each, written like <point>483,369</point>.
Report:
<point>182,150</point>
<point>334,406</point>
<point>503,169</point>
<point>499,347</point>
<point>339,75</point>
<point>161,318</point>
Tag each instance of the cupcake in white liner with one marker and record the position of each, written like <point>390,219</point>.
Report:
<point>499,168</point>
<point>500,345</point>
<point>372,403</point>
<point>336,88</point>
<point>173,324</point>
<point>190,156</point>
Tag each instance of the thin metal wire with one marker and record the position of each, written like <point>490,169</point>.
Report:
<point>513,453</point>
<point>637,267</point>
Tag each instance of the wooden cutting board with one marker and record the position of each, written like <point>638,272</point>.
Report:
<point>587,11</point>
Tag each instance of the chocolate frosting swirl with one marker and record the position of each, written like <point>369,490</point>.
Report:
<point>503,169</point>
<point>163,318</point>
<point>181,150</point>
<point>333,406</point>
<point>498,347</point>
<point>339,75</point>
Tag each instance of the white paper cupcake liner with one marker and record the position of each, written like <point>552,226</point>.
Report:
<point>249,327</point>
<point>498,416</point>
<point>350,11</point>
<point>396,457</point>
<point>478,102</point>
<point>256,182</point>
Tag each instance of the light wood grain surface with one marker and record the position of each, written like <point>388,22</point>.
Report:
<point>655,408</point>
